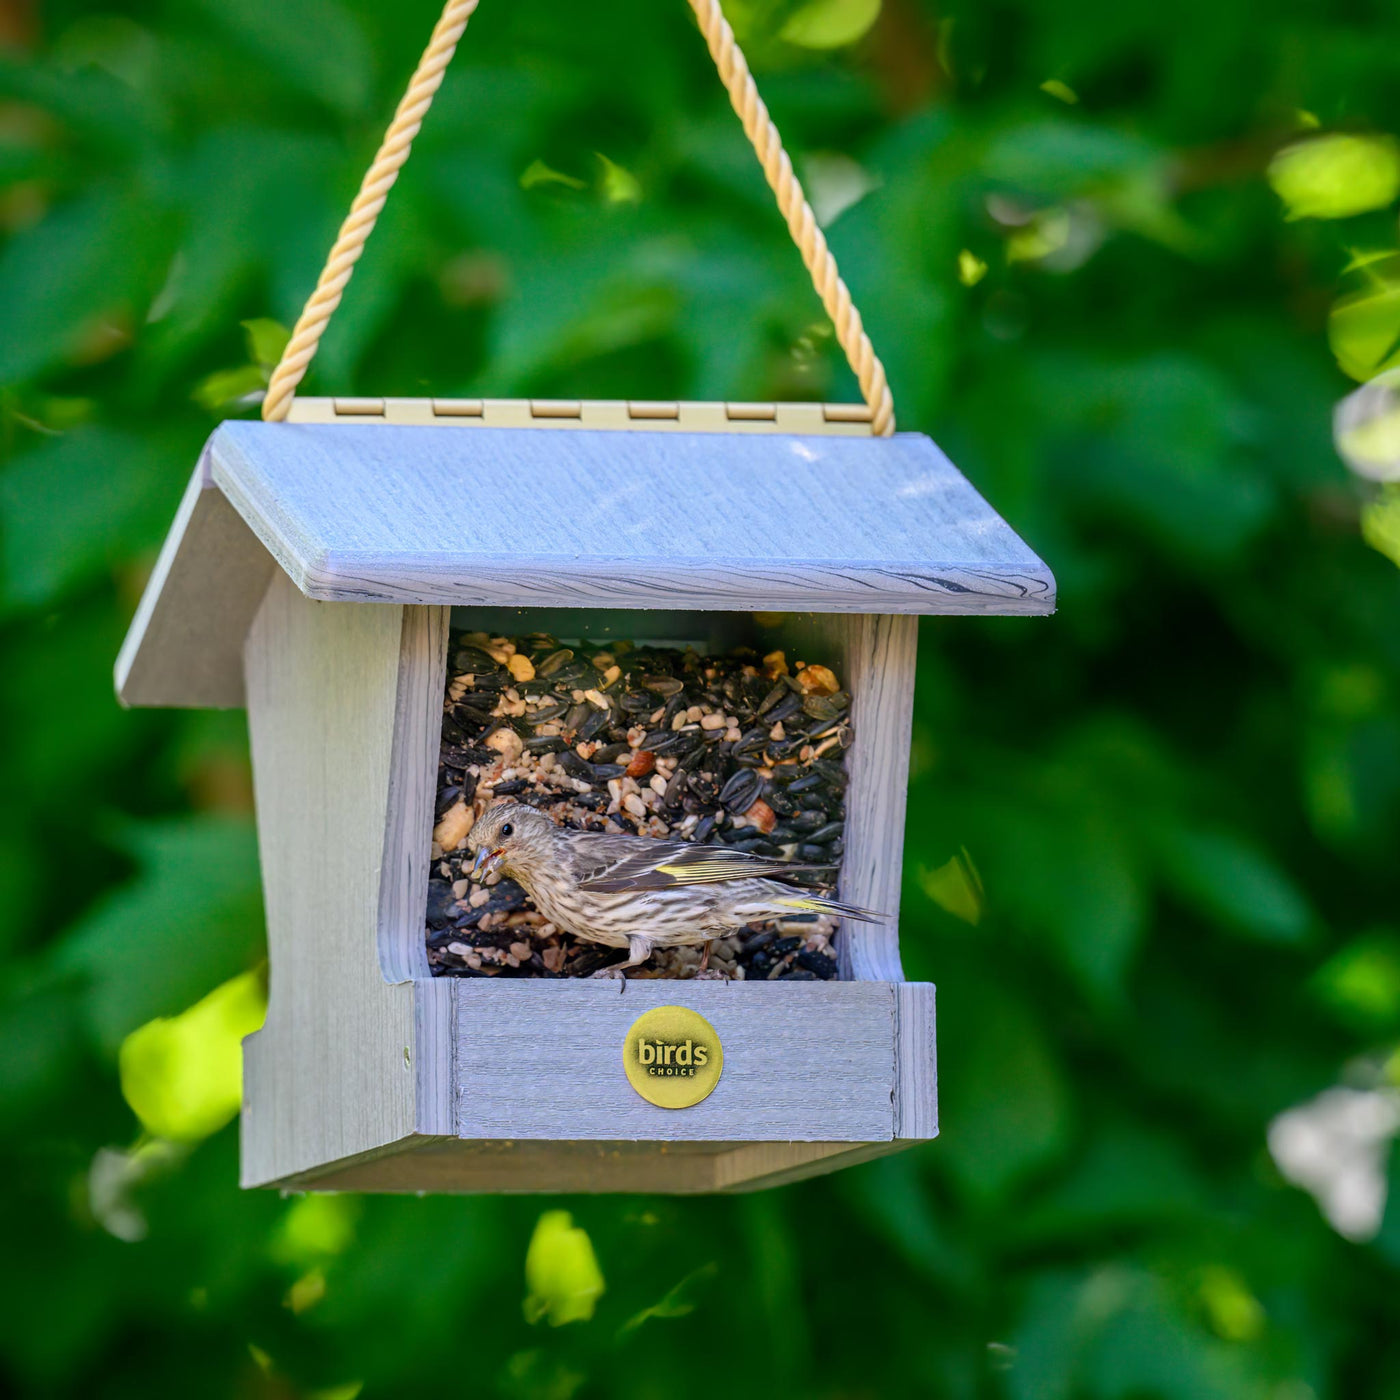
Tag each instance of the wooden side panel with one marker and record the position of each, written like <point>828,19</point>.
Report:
<point>330,1075</point>
<point>803,1062</point>
<point>916,1062</point>
<point>874,655</point>
<point>880,656</point>
<point>408,831</point>
<point>185,644</point>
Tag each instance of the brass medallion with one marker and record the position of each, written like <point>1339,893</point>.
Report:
<point>672,1056</point>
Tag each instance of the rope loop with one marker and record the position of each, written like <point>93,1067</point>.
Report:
<point>758,127</point>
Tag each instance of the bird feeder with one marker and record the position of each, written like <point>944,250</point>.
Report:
<point>312,574</point>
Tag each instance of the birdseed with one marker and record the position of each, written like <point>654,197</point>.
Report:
<point>734,749</point>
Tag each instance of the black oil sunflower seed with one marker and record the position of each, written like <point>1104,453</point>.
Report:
<point>739,793</point>
<point>555,661</point>
<point>474,661</point>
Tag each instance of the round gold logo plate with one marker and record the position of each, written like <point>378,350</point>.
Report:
<point>672,1056</point>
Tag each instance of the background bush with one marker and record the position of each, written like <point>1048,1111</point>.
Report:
<point>1152,856</point>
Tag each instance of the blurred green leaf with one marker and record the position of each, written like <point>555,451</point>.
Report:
<point>1387,1242</point>
<point>1360,983</point>
<point>1336,176</point>
<point>538,173</point>
<point>1364,328</point>
<point>228,386</point>
<point>677,1302</point>
<point>1057,156</point>
<point>1157,446</point>
<point>1129,1176</point>
<point>830,24</point>
<point>351,1390</point>
<point>1074,877</point>
<point>1006,1107</point>
<point>316,1228</point>
<point>73,285</point>
<point>38,1048</point>
<point>956,888</point>
<point>1235,1313</point>
<point>267,339</point>
<point>1380,524</point>
<point>896,1202</point>
<point>1115,1335</point>
<point>189,920</point>
<point>619,186</point>
<point>183,1075</point>
<point>75,505</point>
<point>535,1375</point>
<point>561,1272</point>
<point>318,46</point>
<point>1231,880</point>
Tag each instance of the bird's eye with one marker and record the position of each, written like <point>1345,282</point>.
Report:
<point>507,830</point>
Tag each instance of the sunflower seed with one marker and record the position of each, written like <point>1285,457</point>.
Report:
<point>820,707</point>
<point>663,685</point>
<point>555,661</point>
<point>474,661</point>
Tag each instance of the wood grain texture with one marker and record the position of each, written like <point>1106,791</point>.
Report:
<point>467,1085</point>
<point>811,1062</point>
<point>514,518</point>
<point>185,644</point>
<point>408,830</point>
<point>874,657</point>
<point>403,886</point>
<point>916,1062</point>
<point>434,1007</point>
<point>879,654</point>
<point>331,1072</point>
<point>449,1165</point>
<point>757,1166</point>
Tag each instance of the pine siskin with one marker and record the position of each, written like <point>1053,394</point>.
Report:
<point>635,892</point>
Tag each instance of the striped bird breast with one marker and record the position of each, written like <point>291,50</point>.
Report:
<point>686,915</point>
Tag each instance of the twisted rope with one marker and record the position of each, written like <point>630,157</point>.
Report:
<point>801,222</point>
<point>758,127</point>
<point>359,223</point>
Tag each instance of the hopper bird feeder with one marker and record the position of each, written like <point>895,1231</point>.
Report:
<point>312,574</point>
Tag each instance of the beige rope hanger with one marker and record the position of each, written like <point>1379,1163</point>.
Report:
<point>758,127</point>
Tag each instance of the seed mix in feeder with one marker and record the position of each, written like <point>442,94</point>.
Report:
<point>733,749</point>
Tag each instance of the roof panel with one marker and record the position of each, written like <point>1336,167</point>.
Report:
<point>515,517</point>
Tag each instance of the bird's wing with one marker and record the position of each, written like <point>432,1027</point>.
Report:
<point>630,863</point>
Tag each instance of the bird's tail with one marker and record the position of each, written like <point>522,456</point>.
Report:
<point>823,904</point>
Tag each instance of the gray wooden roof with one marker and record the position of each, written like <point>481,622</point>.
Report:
<point>582,518</point>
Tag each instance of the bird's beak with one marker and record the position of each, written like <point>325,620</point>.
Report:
<point>487,863</point>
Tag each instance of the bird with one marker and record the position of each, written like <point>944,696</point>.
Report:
<point>638,892</point>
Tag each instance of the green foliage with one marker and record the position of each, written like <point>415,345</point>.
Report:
<point>1120,262</point>
<point>183,1075</point>
<point>1336,176</point>
<point>561,1272</point>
